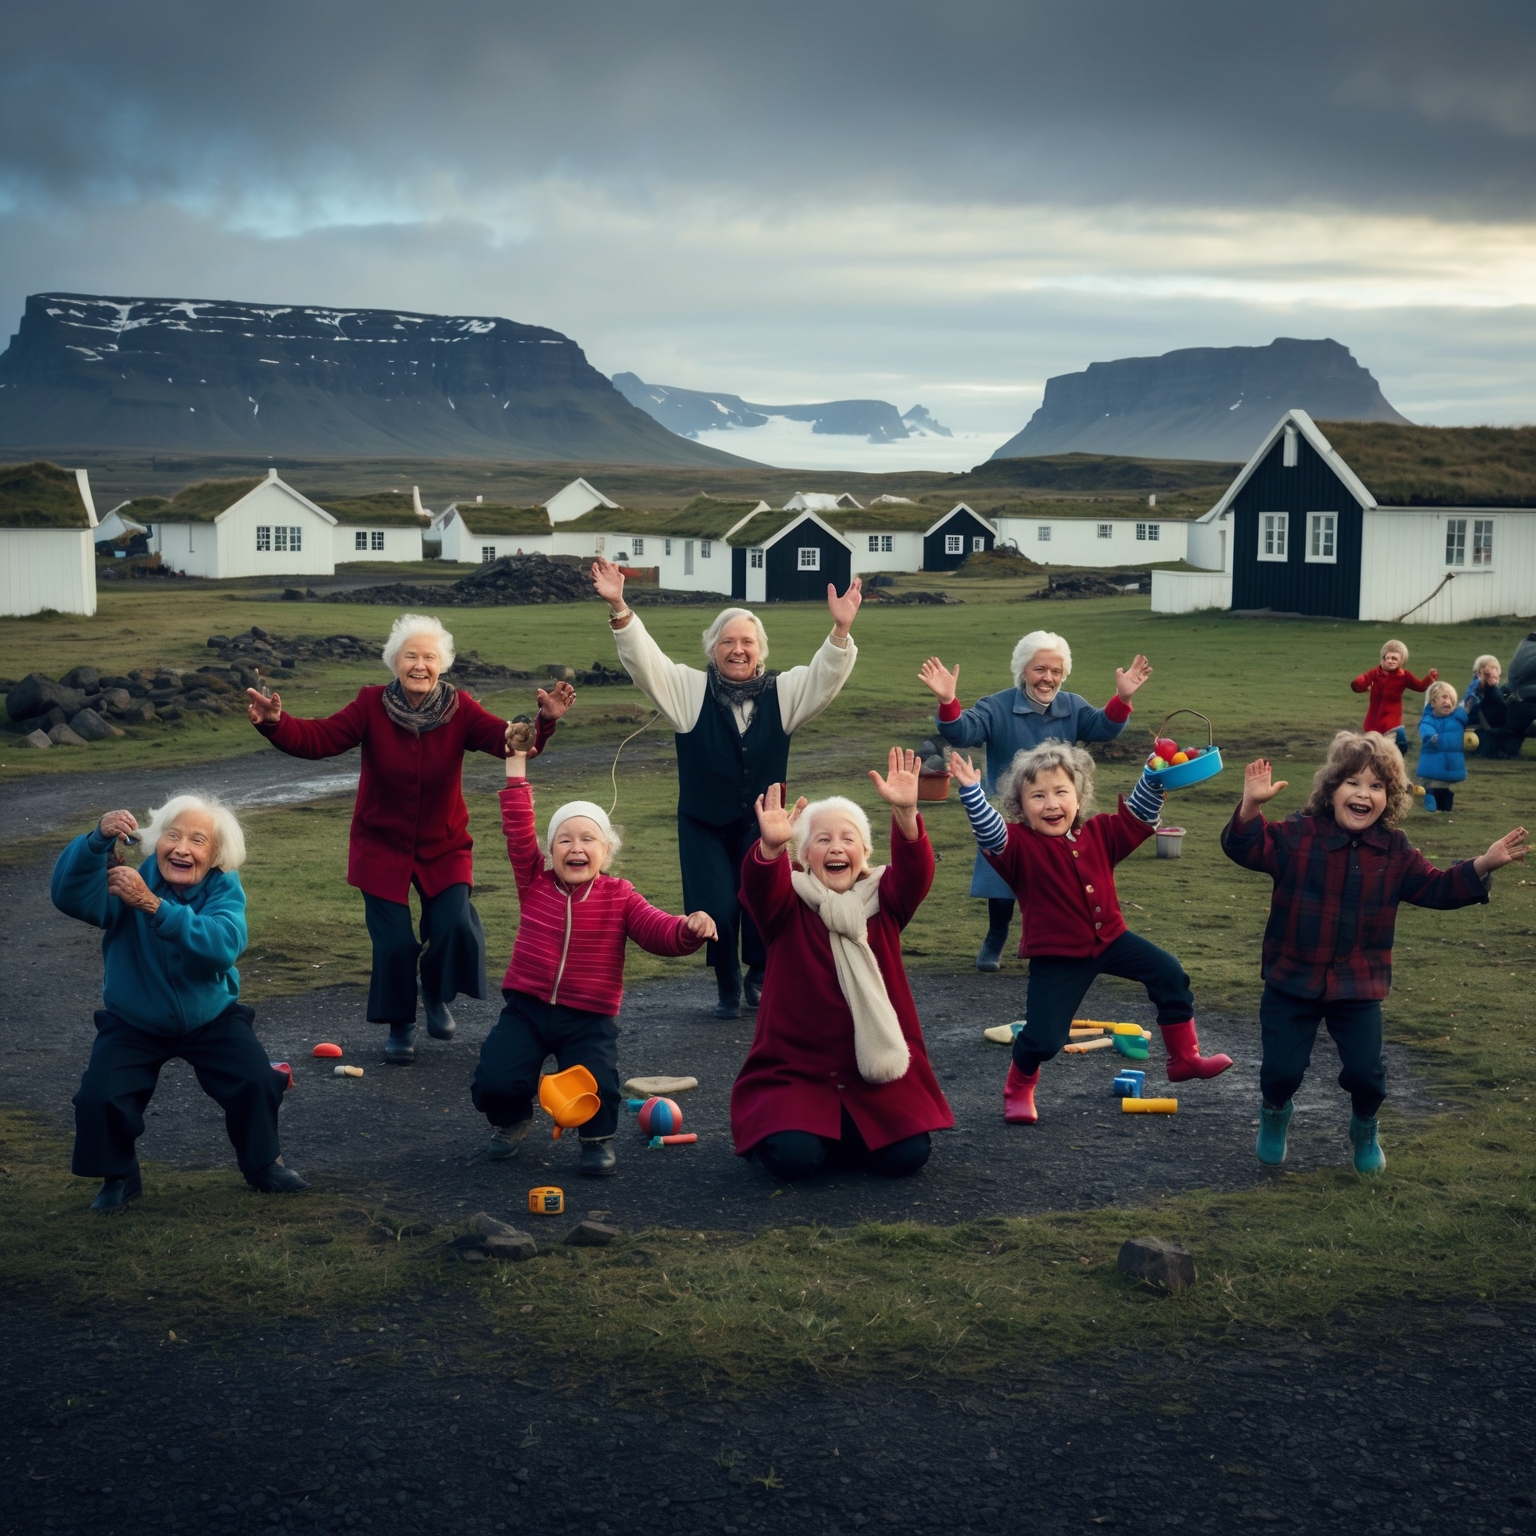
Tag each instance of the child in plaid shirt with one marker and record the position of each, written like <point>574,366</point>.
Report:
<point>1340,867</point>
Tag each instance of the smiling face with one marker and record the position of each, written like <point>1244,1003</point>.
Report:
<point>736,651</point>
<point>187,849</point>
<point>578,850</point>
<point>1049,802</point>
<point>1359,801</point>
<point>418,665</point>
<point>1042,675</point>
<point>1391,661</point>
<point>833,851</point>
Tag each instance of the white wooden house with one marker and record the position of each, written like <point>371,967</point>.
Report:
<point>47,540</point>
<point>228,528</point>
<point>624,536</point>
<point>689,548</point>
<point>1300,532</point>
<point>385,526</point>
<point>1051,539</point>
<point>477,532</point>
<point>910,538</point>
<point>822,501</point>
<point>570,501</point>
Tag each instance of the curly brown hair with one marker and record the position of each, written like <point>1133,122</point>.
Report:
<point>1028,765</point>
<point>1350,752</point>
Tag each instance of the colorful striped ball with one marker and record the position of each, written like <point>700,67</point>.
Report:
<point>660,1117</point>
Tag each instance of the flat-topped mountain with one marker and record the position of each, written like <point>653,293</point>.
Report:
<point>691,411</point>
<point>1198,402</point>
<point>84,371</point>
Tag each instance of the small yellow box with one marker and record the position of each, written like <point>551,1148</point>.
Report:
<point>546,1200</point>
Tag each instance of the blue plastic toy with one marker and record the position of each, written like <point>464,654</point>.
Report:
<point>1128,1084</point>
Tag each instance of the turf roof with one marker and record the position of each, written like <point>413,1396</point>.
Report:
<point>1408,466</point>
<point>610,520</point>
<point>389,509</point>
<point>203,502</point>
<point>497,520</point>
<point>705,517</point>
<point>40,495</point>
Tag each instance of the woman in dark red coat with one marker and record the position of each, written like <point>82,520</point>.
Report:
<point>410,825</point>
<point>838,1063</point>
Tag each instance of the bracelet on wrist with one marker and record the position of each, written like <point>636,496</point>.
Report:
<point>616,618</point>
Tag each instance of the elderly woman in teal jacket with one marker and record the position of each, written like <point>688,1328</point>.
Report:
<point>172,931</point>
<point>1017,719</point>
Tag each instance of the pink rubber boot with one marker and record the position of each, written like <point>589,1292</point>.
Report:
<point>1019,1096</point>
<point>1184,1058</point>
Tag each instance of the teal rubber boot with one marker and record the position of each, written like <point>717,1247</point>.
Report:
<point>1272,1126</point>
<point>1369,1158</point>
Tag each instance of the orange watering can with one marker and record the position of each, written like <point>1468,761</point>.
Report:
<point>569,1098</point>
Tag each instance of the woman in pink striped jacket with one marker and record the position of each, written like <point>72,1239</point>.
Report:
<point>566,980</point>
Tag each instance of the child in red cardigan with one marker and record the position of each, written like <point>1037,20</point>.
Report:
<point>1063,869</point>
<point>1386,685</point>
<point>566,978</point>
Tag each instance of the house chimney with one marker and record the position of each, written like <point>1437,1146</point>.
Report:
<point>1151,501</point>
<point>271,474</point>
<point>479,498</point>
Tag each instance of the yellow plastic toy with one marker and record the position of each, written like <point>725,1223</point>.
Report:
<point>1149,1106</point>
<point>569,1098</point>
<point>1081,1047</point>
<point>546,1200</point>
<point>1470,741</point>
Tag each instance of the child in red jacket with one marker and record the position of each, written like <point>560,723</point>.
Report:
<point>1386,685</point>
<point>1063,870</point>
<point>566,979</point>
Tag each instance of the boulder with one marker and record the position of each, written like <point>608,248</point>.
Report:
<point>62,736</point>
<point>89,726</point>
<point>114,700</point>
<point>86,679</point>
<point>1157,1262</point>
<point>139,712</point>
<point>591,1234</point>
<point>499,1239</point>
<point>217,642</point>
<point>37,739</point>
<point>36,694</point>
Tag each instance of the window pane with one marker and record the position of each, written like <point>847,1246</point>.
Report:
<point>264,538</point>
<point>487,553</point>
<point>886,544</point>
<point>704,549</point>
<point>360,540</point>
<point>810,559</point>
<point>280,539</point>
<point>1482,541</point>
<point>639,546</point>
<point>1043,533</point>
<point>1154,532</point>
<point>295,538</point>
<point>874,543</point>
<point>1141,530</point>
<point>978,543</point>
<point>1106,530</point>
<point>378,539</point>
<point>1456,541</point>
<point>952,545</point>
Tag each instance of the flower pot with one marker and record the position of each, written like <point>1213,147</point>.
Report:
<point>933,786</point>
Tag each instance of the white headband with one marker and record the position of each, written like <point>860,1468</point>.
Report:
<point>580,808</point>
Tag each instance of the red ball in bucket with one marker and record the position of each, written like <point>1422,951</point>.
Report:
<point>660,1117</point>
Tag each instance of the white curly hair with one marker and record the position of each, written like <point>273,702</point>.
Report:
<point>834,805</point>
<point>228,834</point>
<point>412,624</point>
<point>1032,644</point>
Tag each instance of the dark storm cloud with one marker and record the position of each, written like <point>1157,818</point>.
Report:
<point>1398,105</point>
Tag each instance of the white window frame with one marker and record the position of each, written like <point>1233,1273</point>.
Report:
<point>704,548</point>
<point>954,543</point>
<point>1455,542</point>
<point>755,559</point>
<point>808,557</point>
<point>360,540</point>
<point>1141,531</point>
<point>637,546</point>
<point>1322,538</point>
<point>887,544</point>
<point>667,546</point>
<point>487,554</point>
<point>295,539</point>
<point>978,543</point>
<point>874,544</point>
<point>376,539</point>
<point>1482,543</point>
<point>688,557</point>
<point>280,538</point>
<point>263,538</point>
<point>1275,530</point>
<point>1154,532</point>
<point>1043,533</point>
<point>1106,530</point>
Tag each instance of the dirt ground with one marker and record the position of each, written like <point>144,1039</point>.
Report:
<point>1420,1429</point>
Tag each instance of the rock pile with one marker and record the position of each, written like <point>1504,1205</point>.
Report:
<point>86,705</point>
<point>1073,584</point>
<point>888,599</point>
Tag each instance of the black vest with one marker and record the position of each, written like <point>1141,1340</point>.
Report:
<point>720,771</point>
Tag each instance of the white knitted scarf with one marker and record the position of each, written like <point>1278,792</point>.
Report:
<point>879,1046</point>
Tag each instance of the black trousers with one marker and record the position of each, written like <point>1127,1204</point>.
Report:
<point>799,1154</point>
<point>711,860</point>
<point>1288,1027</point>
<point>1058,984</point>
<point>231,1066</point>
<point>452,951</point>
<point>506,1079</point>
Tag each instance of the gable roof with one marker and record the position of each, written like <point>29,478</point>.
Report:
<point>393,509</point>
<point>1412,466</point>
<point>1324,449</point>
<point>765,528</point>
<point>954,511</point>
<point>499,520</point>
<point>579,483</point>
<point>41,495</point>
<point>886,519</point>
<point>209,500</point>
<point>823,501</point>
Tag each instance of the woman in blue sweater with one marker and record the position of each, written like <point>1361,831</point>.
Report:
<point>172,931</point>
<point>1017,720</point>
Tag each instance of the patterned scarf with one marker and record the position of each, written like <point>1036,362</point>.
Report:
<point>436,709</point>
<point>733,694</point>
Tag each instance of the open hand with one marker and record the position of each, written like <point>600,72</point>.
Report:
<point>1129,679</point>
<point>1509,849</point>
<point>609,581</point>
<point>1432,675</point>
<point>264,708</point>
<point>774,822</point>
<point>702,926</point>
<point>119,825</point>
<point>963,770</point>
<point>555,701</point>
<point>1257,788</point>
<point>129,888</point>
<point>943,684</point>
<point>845,608</point>
<point>899,786</point>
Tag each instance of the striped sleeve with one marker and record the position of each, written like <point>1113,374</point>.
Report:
<point>1146,801</point>
<point>990,828</point>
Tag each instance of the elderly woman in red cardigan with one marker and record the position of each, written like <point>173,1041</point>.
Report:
<point>838,1065</point>
<point>410,825</point>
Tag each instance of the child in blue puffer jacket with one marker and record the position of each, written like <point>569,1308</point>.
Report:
<point>1442,758</point>
<point>172,931</point>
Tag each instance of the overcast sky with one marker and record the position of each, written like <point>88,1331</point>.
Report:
<point>941,203</point>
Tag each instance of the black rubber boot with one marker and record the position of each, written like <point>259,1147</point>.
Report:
<point>1445,799</point>
<point>597,1158</point>
<point>276,1179</point>
<point>752,987</point>
<point>115,1193</point>
<point>400,1048</point>
<point>440,1021</point>
<point>728,985</point>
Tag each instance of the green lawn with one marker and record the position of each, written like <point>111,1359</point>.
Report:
<point>1453,1218</point>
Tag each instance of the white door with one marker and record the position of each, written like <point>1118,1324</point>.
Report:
<point>687,557</point>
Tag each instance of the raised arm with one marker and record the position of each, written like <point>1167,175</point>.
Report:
<point>328,737</point>
<point>1249,838</point>
<point>79,884</point>
<point>660,932</point>
<point>517,825</point>
<point>677,691</point>
<point>987,825</point>
<point>910,876</point>
<point>805,691</point>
